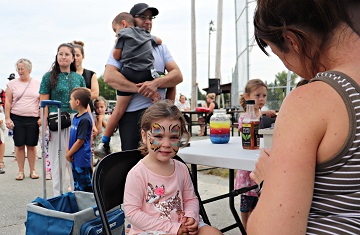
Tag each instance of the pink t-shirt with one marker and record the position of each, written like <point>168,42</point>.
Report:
<point>28,104</point>
<point>154,202</point>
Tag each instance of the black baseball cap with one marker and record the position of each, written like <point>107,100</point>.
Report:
<point>139,8</point>
<point>11,76</point>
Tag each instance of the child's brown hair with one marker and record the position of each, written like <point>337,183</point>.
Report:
<point>251,85</point>
<point>82,94</point>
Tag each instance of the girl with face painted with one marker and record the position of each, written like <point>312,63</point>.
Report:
<point>159,195</point>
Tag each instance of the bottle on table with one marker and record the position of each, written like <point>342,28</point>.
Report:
<point>219,127</point>
<point>250,127</point>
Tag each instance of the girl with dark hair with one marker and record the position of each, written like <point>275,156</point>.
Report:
<point>57,85</point>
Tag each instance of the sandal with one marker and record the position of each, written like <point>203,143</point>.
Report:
<point>200,134</point>
<point>33,175</point>
<point>20,176</point>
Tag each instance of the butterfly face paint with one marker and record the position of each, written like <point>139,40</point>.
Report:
<point>164,134</point>
<point>175,131</point>
<point>156,130</point>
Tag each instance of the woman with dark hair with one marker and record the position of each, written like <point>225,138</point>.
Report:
<point>89,75</point>
<point>57,85</point>
<point>311,176</point>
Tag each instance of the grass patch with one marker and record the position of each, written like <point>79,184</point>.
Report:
<point>222,172</point>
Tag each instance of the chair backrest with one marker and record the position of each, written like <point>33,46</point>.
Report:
<point>109,182</point>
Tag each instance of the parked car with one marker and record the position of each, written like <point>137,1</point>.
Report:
<point>110,106</point>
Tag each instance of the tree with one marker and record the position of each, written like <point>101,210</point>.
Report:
<point>277,89</point>
<point>105,90</point>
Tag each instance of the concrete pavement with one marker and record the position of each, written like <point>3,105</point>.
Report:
<point>15,195</point>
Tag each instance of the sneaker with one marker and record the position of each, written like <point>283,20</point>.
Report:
<point>2,171</point>
<point>102,151</point>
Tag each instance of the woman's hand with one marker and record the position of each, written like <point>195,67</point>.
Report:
<point>9,124</point>
<point>259,173</point>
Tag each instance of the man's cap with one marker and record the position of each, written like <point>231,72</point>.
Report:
<point>11,76</point>
<point>139,8</point>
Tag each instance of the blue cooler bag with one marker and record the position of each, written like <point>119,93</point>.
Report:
<point>70,214</point>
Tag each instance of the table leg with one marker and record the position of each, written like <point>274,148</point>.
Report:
<point>232,202</point>
<point>194,175</point>
<point>190,125</point>
<point>205,128</point>
<point>202,208</point>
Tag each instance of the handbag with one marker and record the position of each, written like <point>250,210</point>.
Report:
<point>53,121</point>
<point>65,117</point>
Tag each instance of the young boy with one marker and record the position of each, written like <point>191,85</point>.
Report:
<point>134,49</point>
<point>79,152</point>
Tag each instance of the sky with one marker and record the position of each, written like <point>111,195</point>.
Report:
<point>34,29</point>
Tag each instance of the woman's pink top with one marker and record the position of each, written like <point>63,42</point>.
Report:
<point>28,104</point>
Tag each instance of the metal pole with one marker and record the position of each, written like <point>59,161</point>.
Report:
<point>288,82</point>
<point>218,41</point>
<point>211,29</point>
<point>193,56</point>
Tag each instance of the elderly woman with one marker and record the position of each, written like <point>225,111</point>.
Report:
<point>22,115</point>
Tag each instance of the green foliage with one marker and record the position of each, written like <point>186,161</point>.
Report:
<point>105,90</point>
<point>201,96</point>
<point>277,89</point>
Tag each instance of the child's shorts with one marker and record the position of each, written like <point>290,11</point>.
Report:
<point>82,178</point>
<point>248,203</point>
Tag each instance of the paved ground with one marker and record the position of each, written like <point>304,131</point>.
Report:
<point>15,195</point>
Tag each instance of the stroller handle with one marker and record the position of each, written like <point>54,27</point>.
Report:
<point>44,103</point>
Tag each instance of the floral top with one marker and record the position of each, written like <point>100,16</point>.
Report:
<point>67,82</point>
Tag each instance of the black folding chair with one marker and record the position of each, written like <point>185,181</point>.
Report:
<point>109,183</point>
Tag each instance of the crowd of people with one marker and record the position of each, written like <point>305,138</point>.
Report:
<point>310,179</point>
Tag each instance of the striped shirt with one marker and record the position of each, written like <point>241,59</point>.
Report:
<point>335,206</point>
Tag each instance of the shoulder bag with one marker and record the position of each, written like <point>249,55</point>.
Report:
<point>65,117</point>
